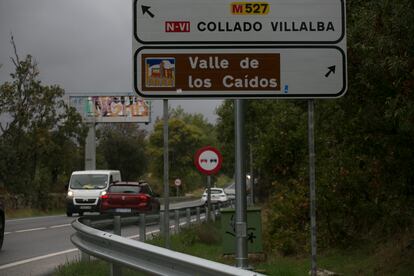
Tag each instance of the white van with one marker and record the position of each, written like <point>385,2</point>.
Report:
<point>85,187</point>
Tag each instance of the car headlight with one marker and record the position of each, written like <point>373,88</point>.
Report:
<point>70,194</point>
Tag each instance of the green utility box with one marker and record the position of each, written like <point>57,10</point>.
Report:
<point>253,235</point>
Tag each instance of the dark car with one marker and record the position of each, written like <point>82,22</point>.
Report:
<point>2,220</point>
<point>129,197</point>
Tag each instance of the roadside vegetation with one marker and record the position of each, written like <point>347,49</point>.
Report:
<point>205,241</point>
<point>30,212</point>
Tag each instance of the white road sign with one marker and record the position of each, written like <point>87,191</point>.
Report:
<point>240,72</point>
<point>236,22</point>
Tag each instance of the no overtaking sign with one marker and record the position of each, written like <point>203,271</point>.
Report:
<point>208,160</point>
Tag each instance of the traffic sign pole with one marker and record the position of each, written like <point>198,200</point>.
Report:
<point>311,141</point>
<point>166,182</point>
<point>208,197</point>
<point>208,161</point>
<point>240,187</point>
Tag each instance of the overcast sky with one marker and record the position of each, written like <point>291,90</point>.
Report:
<point>84,46</point>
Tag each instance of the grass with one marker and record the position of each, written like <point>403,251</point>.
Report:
<point>91,268</point>
<point>394,257</point>
<point>24,213</point>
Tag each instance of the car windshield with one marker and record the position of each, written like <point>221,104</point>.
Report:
<point>215,191</point>
<point>89,181</point>
<point>126,189</point>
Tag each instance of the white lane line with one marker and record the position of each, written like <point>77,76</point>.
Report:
<point>37,229</point>
<point>37,258</point>
<point>30,230</point>
<point>59,226</point>
<point>32,218</point>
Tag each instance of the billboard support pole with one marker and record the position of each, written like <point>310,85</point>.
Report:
<point>166,182</point>
<point>90,147</point>
<point>311,141</point>
<point>240,186</point>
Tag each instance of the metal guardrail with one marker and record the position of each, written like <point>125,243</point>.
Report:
<point>142,256</point>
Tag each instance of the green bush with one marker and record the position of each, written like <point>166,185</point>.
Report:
<point>205,233</point>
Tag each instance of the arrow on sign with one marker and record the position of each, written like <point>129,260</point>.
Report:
<point>331,70</point>
<point>145,9</point>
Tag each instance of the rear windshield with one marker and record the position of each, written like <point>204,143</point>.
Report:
<point>124,189</point>
<point>214,191</point>
<point>89,181</point>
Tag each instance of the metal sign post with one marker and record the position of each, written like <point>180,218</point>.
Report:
<point>251,176</point>
<point>166,182</point>
<point>208,197</point>
<point>177,183</point>
<point>240,187</point>
<point>208,161</point>
<point>311,141</point>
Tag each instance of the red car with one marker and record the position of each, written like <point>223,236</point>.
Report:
<point>129,197</point>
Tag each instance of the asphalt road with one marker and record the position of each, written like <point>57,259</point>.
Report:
<point>38,245</point>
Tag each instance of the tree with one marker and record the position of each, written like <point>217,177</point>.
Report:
<point>187,133</point>
<point>123,147</point>
<point>40,128</point>
<point>364,140</point>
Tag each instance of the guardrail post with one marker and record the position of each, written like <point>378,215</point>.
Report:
<point>84,256</point>
<point>161,223</point>
<point>117,225</point>
<point>142,227</point>
<point>213,213</point>
<point>206,213</point>
<point>177,220</point>
<point>198,214</point>
<point>116,270</point>
<point>188,212</point>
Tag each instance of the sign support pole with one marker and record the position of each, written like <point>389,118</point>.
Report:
<point>208,197</point>
<point>311,141</point>
<point>240,187</point>
<point>166,184</point>
<point>251,177</point>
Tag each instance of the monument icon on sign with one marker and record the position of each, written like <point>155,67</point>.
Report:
<point>160,72</point>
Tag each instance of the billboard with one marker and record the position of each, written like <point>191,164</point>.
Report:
<point>112,109</point>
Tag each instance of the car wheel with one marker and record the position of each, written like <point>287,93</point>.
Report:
<point>80,214</point>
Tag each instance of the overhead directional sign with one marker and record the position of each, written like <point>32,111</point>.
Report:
<point>235,22</point>
<point>239,49</point>
<point>240,72</point>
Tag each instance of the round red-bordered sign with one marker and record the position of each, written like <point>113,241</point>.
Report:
<point>208,160</point>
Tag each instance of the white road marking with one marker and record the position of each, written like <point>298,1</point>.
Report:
<point>30,230</point>
<point>37,258</point>
<point>37,229</point>
<point>31,218</point>
<point>59,226</point>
